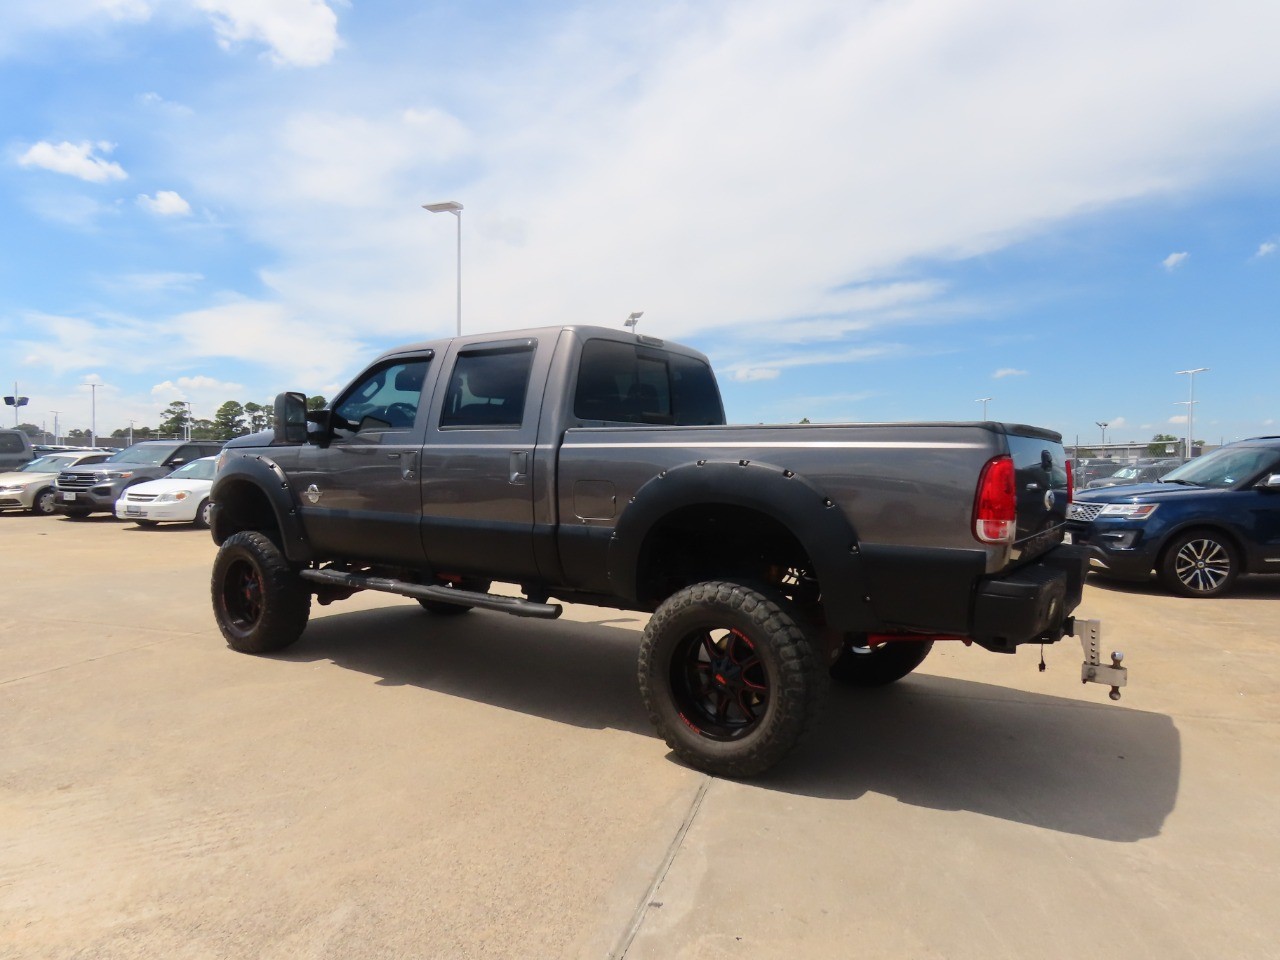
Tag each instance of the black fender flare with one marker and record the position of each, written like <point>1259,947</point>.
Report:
<point>821,527</point>
<point>238,479</point>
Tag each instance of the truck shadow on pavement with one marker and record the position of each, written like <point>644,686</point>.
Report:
<point>1093,769</point>
<point>1098,770</point>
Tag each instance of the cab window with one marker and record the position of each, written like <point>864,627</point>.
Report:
<point>488,388</point>
<point>387,398</point>
<point>632,384</point>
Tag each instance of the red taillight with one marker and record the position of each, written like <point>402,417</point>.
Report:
<point>1071,482</point>
<point>995,514</point>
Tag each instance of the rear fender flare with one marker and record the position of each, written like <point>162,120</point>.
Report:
<point>820,526</point>
<point>241,485</point>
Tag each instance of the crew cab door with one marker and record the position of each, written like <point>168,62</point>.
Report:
<point>479,476</point>
<point>360,496</point>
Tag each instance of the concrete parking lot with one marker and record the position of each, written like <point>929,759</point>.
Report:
<point>397,785</point>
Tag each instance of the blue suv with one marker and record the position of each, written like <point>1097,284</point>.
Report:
<point>1199,527</point>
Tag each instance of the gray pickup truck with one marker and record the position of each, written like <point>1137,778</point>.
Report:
<point>590,465</point>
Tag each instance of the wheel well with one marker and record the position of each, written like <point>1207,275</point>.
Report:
<point>244,506</point>
<point>717,541</point>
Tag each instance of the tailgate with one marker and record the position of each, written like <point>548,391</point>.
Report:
<point>1040,478</point>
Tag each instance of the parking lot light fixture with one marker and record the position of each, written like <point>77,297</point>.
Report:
<point>454,207</point>
<point>1191,405</point>
<point>1104,430</point>
<point>632,320</point>
<point>983,401</point>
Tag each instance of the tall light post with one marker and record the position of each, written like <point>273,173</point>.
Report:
<point>454,207</point>
<point>93,419</point>
<point>187,425</point>
<point>632,320</point>
<point>131,433</point>
<point>1191,406</point>
<point>55,426</point>
<point>1104,430</point>
<point>16,401</point>
<point>983,401</point>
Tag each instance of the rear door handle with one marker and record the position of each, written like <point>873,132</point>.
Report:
<point>519,466</point>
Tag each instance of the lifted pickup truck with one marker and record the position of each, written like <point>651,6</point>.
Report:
<point>593,466</point>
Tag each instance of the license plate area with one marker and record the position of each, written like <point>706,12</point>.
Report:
<point>134,512</point>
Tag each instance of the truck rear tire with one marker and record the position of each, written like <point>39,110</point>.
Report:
<point>880,665</point>
<point>259,601</point>
<point>729,677</point>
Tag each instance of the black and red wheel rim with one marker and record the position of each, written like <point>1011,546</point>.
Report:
<point>719,683</point>
<point>242,595</point>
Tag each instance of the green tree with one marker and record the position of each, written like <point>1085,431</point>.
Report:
<point>316,403</point>
<point>1159,442</point>
<point>31,430</point>
<point>228,422</point>
<point>202,429</point>
<point>173,420</point>
<point>804,419</point>
<point>258,415</point>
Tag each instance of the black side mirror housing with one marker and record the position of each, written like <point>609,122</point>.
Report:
<point>290,421</point>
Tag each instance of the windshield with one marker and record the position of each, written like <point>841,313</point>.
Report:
<point>144,454</point>
<point>1125,473</point>
<point>1225,467</point>
<point>49,464</point>
<point>196,470</point>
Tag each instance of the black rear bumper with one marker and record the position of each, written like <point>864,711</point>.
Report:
<point>1032,603</point>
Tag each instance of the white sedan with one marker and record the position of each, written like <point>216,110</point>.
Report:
<point>181,497</point>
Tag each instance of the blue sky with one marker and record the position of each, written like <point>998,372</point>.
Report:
<point>859,210</point>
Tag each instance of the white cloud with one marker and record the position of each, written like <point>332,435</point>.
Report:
<point>153,282</point>
<point>769,369</point>
<point>75,160</point>
<point>1174,260</point>
<point>166,203</point>
<point>1265,249</point>
<point>1008,372</point>
<point>1178,418</point>
<point>299,33</point>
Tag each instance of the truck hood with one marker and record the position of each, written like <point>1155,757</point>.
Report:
<point>14,478</point>
<point>261,439</point>
<point>1144,493</point>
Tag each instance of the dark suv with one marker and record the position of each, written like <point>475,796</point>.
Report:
<point>95,489</point>
<point>1199,527</point>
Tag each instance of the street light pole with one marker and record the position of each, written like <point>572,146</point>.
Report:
<point>1191,407</point>
<point>454,207</point>
<point>93,421</point>
<point>632,320</point>
<point>983,401</point>
<point>1104,430</point>
<point>55,426</point>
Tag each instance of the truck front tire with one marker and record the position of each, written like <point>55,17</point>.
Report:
<point>880,665</point>
<point>259,601</point>
<point>730,679</point>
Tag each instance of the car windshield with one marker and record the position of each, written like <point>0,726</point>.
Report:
<point>1125,473</point>
<point>196,470</point>
<point>1225,467</point>
<point>144,454</point>
<point>50,464</point>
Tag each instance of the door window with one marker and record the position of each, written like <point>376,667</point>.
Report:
<point>386,399</point>
<point>488,389</point>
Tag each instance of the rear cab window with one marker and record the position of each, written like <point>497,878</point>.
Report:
<point>633,383</point>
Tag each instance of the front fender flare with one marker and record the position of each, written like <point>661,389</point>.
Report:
<point>821,527</point>
<point>243,484</point>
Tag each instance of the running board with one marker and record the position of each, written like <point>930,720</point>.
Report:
<point>516,606</point>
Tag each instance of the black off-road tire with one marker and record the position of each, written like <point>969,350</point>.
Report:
<point>880,665</point>
<point>259,601</point>
<point>76,514</point>
<point>441,609</point>
<point>42,504</point>
<point>730,678</point>
<point>1200,563</point>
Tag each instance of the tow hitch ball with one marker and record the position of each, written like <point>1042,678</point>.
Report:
<point>1093,670</point>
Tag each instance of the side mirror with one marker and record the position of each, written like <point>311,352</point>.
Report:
<point>176,462</point>
<point>1271,483</point>
<point>290,422</point>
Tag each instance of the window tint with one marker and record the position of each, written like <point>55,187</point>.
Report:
<point>11,443</point>
<point>387,398</point>
<point>631,384</point>
<point>488,388</point>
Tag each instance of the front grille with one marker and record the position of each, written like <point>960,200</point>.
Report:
<point>140,497</point>
<point>1084,511</point>
<point>78,481</point>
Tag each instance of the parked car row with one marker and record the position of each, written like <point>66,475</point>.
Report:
<point>1092,473</point>
<point>151,482</point>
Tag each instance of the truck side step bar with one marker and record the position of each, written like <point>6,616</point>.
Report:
<point>516,606</point>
